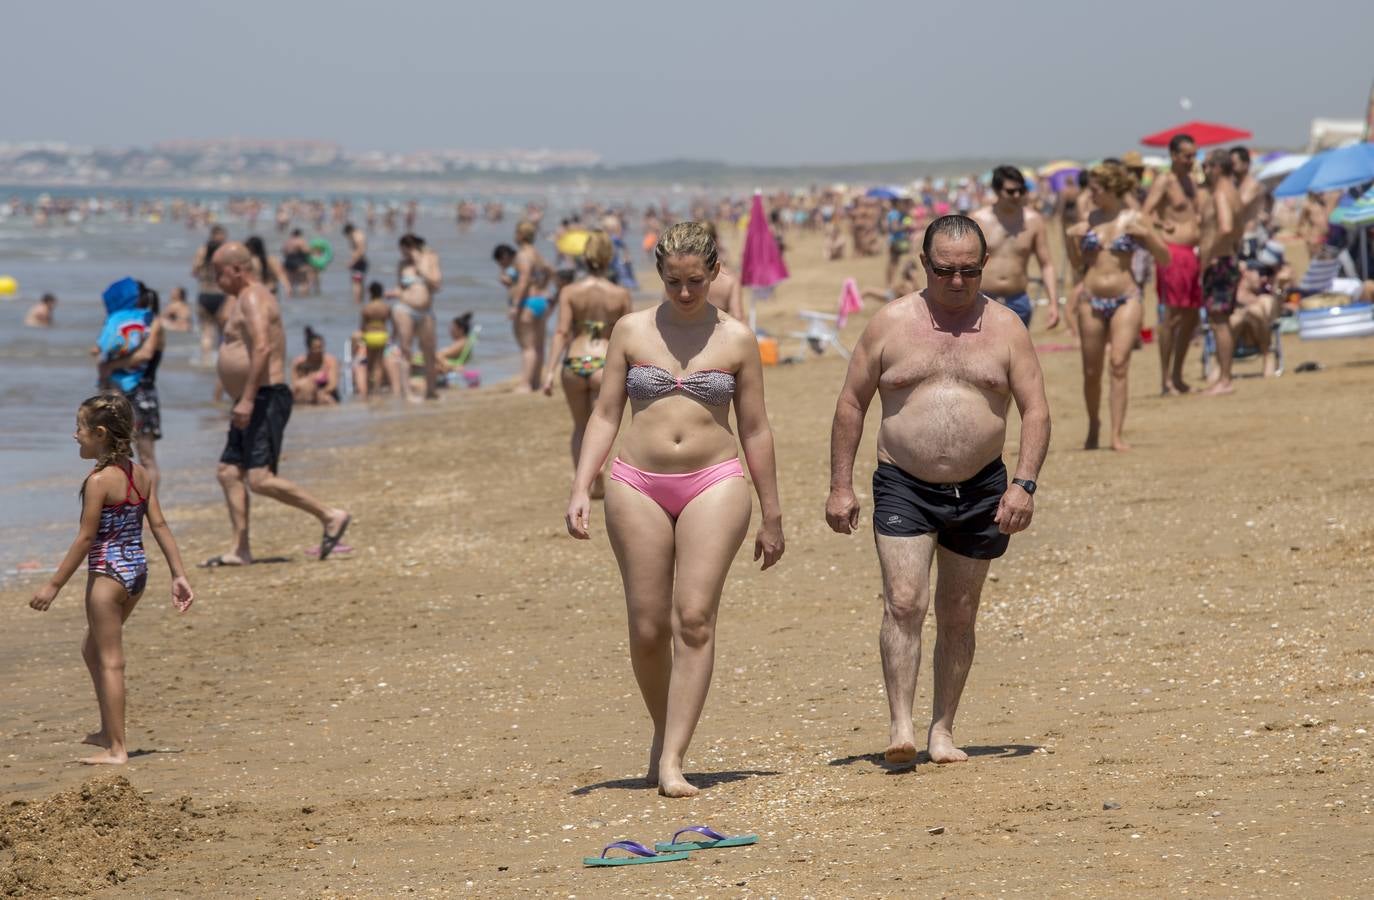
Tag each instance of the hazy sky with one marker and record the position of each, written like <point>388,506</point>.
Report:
<point>743,81</point>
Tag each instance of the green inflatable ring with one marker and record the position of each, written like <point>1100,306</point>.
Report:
<point>321,253</point>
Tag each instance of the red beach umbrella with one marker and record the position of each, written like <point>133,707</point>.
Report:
<point>1205,134</point>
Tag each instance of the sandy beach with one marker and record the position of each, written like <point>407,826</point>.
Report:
<point>1174,686</point>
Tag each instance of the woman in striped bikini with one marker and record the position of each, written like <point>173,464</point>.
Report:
<point>677,504</point>
<point>587,311</point>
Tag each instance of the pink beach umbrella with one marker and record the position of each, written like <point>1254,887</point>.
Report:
<point>761,265</point>
<point>851,301</point>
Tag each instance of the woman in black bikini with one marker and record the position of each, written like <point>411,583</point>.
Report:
<point>1106,303</point>
<point>587,311</point>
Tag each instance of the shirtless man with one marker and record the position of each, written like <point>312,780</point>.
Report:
<point>1013,233</point>
<point>252,367</point>
<point>1173,202</point>
<point>1252,196</point>
<point>1221,225</point>
<point>357,259</point>
<point>946,364</point>
<point>726,294</point>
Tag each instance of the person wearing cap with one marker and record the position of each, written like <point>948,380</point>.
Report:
<point>1173,201</point>
<point>1013,233</point>
<point>1218,252</point>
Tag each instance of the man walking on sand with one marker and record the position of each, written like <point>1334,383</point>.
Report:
<point>1173,202</point>
<point>1013,233</point>
<point>252,368</point>
<point>946,363</point>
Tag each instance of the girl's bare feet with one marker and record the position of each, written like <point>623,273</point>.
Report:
<point>676,786</point>
<point>108,758</point>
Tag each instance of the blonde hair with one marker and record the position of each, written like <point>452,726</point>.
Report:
<point>115,414</point>
<point>525,231</point>
<point>598,252</point>
<point>1114,177</point>
<point>686,239</point>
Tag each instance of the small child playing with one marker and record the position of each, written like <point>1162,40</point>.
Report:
<point>375,318</point>
<point>115,497</point>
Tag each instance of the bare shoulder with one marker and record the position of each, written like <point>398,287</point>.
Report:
<point>105,483</point>
<point>1003,321</point>
<point>738,334</point>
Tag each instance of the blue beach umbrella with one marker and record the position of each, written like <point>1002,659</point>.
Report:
<point>1330,171</point>
<point>885,192</point>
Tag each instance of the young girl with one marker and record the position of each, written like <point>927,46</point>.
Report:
<point>114,499</point>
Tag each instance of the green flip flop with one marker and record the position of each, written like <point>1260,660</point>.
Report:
<point>713,839</point>
<point>642,855</point>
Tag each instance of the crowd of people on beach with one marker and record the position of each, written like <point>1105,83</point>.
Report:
<point>950,344</point>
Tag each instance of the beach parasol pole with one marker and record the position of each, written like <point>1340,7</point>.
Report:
<point>761,265</point>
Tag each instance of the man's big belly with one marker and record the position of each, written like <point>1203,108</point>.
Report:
<point>943,432</point>
<point>233,368</point>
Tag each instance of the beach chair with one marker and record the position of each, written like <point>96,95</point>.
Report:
<point>1243,351</point>
<point>820,332</point>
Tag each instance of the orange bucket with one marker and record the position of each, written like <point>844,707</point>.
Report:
<point>768,351</point>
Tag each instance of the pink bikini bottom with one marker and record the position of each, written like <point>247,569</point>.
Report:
<point>674,492</point>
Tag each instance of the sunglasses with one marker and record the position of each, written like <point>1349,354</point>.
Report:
<point>950,271</point>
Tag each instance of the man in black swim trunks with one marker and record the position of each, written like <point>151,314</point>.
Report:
<point>946,363</point>
<point>252,366</point>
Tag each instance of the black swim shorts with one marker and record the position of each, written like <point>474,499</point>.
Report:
<point>961,516</point>
<point>147,411</point>
<point>259,444</point>
<point>359,268</point>
<point>210,303</point>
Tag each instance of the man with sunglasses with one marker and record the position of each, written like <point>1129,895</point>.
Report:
<point>1013,233</point>
<point>946,363</point>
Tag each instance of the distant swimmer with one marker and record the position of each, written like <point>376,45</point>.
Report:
<point>40,314</point>
<point>1015,233</point>
<point>946,363</point>
<point>677,503</point>
<point>252,366</point>
<point>357,259</point>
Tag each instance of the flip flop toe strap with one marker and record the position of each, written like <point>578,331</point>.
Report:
<point>705,830</point>
<point>634,847</point>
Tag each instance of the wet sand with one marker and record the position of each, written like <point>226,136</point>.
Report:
<point>1174,686</point>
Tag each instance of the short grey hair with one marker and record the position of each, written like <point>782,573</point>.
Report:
<point>953,227</point>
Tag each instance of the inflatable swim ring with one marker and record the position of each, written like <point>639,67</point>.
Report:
<point>321,253</point>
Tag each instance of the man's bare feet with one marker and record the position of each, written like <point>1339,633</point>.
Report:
<point>1091,442</point>
<point>1219,389</point>
<point>902,754</point>
<point>675,785</point>
<point>901,745</point>
<point>942,749</point>
<point>1120,445</point>
<point>97,739</point>
<point>1176,388</point>
<point>108,758</point>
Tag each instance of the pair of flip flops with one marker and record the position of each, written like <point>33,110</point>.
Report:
<point>670,850</point>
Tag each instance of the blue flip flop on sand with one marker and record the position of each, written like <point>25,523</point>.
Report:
<point>713,839</point>
<point>641,855</point>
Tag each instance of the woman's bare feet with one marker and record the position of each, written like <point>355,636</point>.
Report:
<point>1220,388</point>
<point>655,751</point>
<point>942,749</point>
<point>97,739</point>
<point>673,784</point>
<point>1120,445</point>
<point>108,758</point>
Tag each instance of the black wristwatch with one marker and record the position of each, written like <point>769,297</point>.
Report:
<point>1026,484</point>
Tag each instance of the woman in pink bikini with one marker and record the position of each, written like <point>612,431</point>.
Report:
<point>677,503</point>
